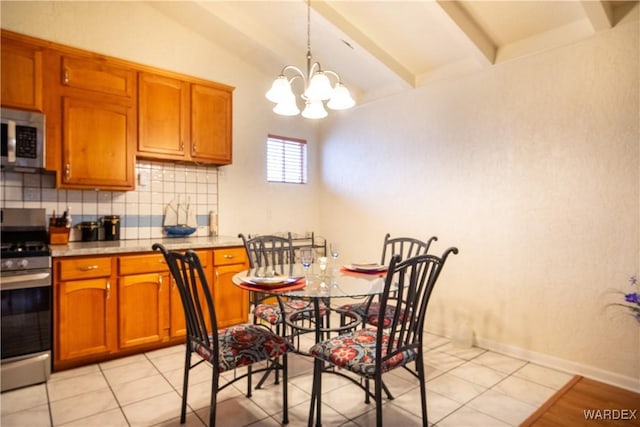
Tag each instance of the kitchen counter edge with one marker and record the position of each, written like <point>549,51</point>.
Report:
<point>141,245</point>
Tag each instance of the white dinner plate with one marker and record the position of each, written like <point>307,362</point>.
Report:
<point>366,267</point>
<point>270,281</point>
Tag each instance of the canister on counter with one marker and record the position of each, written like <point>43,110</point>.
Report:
<point>111,225</point>
<point>89,230</point>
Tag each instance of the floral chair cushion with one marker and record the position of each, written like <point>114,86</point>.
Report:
<point>373,313</point>
<point>242,345</point>
<point>272,314</point>
<point>356,351</point>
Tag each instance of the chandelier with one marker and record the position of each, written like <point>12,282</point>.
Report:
<point>317,88</point>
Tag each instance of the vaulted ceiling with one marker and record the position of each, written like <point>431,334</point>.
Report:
<point>382,47</point>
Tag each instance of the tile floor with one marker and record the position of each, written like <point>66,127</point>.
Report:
<point>465,387</point>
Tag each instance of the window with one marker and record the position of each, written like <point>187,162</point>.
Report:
<point>286,160</point>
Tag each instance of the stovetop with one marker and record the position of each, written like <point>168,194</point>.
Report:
<point>23,249</point>
<point>23,233</point>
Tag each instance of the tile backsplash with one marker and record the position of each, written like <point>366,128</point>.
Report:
<point>141,211</point>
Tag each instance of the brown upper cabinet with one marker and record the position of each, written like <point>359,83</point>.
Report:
<point>183,120</point>
<point>103,112</point>
<point>21,75</point>
<point>98,118</point>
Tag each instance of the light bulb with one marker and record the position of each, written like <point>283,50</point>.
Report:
<point>314,110</point>
<point>319,87</point>
<point>341,99</point>
<point>280,90</point>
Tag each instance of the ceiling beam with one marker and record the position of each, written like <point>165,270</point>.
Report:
<point>357,36</point>
<point>599,13</point>
<point>480,44</point>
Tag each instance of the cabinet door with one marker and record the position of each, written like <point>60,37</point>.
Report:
<point>98,145</point>
<point>85,314</point>
<point>143,309</point>
<point>163,116</point>
<point>98,75</point>
<point>231,303</point>
<point>21,75</point>
<point>210,124</point>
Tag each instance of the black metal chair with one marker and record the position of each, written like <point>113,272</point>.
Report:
<point>371,352</point>
<point>406,247</point>
<point>269,254</point>
<point>225,349</point>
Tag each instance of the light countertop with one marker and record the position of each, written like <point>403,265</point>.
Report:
<point>104,247</point>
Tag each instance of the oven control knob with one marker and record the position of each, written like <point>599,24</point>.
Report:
<point>8,264</point>
<point>23,263</point>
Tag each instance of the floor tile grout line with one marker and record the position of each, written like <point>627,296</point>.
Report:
<point>106,380</point>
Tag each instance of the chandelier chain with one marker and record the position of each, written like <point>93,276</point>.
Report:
<point>308,29</point>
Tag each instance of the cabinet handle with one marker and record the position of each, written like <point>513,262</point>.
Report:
<point>217,276</point>
<point>108,289</point>
<point>67,171</point>
<point>227,256</point>
<point>159,281</point>
<point>181,145</point>
<point>65,76</point>
<point>88,268</point>
<point>194,149</point>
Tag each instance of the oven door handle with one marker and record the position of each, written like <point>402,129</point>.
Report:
<point>11,141</point>
<point>35,280</point>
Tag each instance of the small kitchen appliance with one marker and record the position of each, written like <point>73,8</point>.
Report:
<point>22,146</point>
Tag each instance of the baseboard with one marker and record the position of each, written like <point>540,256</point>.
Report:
<point>552,362</point>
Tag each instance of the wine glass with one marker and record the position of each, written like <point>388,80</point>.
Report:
<point>334,248</point>
<point>306,257</point>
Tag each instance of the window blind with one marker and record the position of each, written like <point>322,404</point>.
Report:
<point>286,160</point>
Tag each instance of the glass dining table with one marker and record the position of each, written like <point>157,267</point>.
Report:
<point>320,288</point>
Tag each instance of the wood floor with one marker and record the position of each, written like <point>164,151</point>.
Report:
<point>585,402</point>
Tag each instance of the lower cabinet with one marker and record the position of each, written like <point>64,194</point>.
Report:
<point>108,306</point>
<point>231,303</point>
<point>85,310</point>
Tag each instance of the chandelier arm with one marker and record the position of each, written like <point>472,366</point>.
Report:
<point>334,74</point>
<point>294,68</point>
<point>315,67</point>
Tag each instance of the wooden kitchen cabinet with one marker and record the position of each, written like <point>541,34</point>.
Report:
<point>97,145</point>
<point>231,302</point>
<point>163,116</point>
<point>183,120</point>
<point>85,310</point>
<point>211,124</point>
<point>150,310</point>
<point>110,306</point>
<point>144,286</point>
<point>21,80</point>
<point>98,124</point>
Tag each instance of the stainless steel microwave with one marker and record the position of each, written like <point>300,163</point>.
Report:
<point>23,140</point>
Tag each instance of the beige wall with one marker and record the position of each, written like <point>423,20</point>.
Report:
<point>531,168</point>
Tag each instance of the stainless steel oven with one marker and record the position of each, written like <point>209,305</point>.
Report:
<point>22,147</point>
<point>26,290</point>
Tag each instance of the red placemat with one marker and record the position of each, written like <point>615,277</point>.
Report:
<point>362,273</point>
<point>290,287</point>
